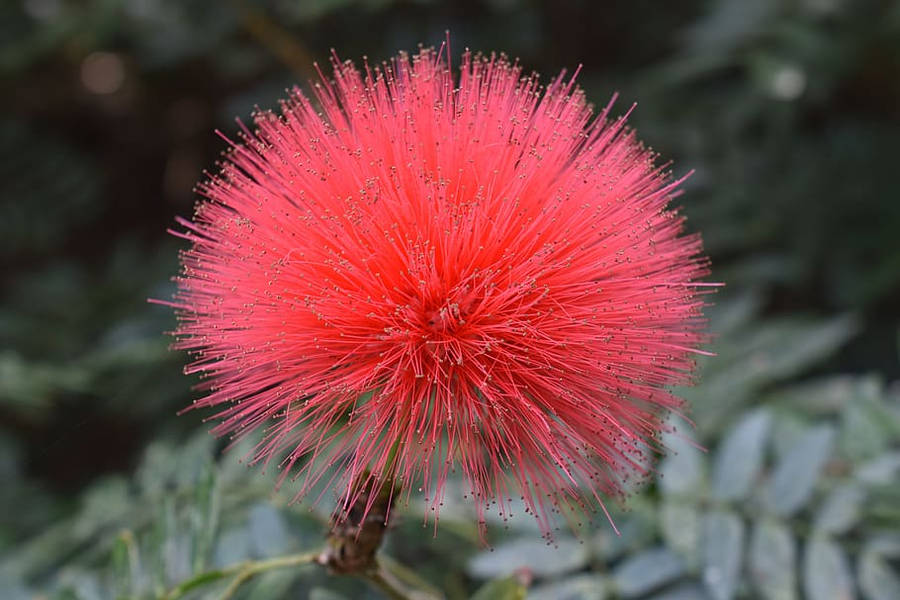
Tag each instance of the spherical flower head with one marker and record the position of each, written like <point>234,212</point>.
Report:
<point>417,273</point>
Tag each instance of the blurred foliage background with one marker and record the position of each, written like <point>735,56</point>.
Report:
<point>789,111</point>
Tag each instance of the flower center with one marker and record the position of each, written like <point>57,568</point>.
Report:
<point>444,319</point>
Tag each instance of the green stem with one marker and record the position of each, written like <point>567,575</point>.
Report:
<point>387,577</point>
<point>242,572</point>
<point>387,583</point>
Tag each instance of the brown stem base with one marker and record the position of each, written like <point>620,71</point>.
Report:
<point>357,534</point>
<point>354,541</point>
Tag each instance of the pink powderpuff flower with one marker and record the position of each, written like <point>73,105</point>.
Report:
<point>415,274</point>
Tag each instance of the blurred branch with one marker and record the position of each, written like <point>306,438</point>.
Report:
<point>283,44</point>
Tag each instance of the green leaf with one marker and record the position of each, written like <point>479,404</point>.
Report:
<point>171,543</point>
<point>841,510</point>
<point>880,471</point>
<point>773,560</point>
<point>579,587</point>
<point>877,580</point>
<point>863,434</point>
<point>543,559</point>
<point>647,571</point>
<point>680,522</point>
<point>204,518</point>
<point>789,346</point>
<point>768,352</point>
<point>507,588</point>
<point>125,564</point>
<point>795,476</point>
<point>723,547</point>
<point>740,457</point>
<point>826,571</point>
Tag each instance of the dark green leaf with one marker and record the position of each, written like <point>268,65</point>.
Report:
<point>319,593</point>
<point>684,591</point>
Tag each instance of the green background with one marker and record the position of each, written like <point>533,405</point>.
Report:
<point>788,111</point>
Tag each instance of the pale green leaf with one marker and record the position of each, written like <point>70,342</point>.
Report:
<point>795,476</point>
<point>787,430</point>
<point>647,571</point>
<point>877,579</point>
<point>681,472</point>
<point>863,434</point>
<point>506,588</point>
<point>579,587</point>
<point>680,523</point>
<point>882,470</point>
<point>826,571</point>
<point>773,561</point>
<point>740,457</point>
<point>541,558</point>
<point>723,547</point>
<point>886,543</point>
<point>841,510</point>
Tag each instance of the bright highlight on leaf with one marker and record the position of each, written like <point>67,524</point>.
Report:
<point>421,271</point>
